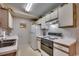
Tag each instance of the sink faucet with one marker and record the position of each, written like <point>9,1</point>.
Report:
<point>2,35</point>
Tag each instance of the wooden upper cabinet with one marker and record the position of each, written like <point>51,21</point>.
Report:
<point>67,15</point>
<point>3,18</point>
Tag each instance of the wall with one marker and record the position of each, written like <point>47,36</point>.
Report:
<point>24,34</point>
<point>68,33</point>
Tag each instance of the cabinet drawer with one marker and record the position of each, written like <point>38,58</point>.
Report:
<point>61,47</point>
<point>59,53</point>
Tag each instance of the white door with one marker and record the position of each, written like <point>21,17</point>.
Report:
<point>22,33</point>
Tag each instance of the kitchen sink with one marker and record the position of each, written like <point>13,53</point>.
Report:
<point>5,43</point>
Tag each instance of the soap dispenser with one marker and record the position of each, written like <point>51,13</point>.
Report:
<point>4,34</point>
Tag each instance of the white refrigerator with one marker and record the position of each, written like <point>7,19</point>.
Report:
<point>35,32</point>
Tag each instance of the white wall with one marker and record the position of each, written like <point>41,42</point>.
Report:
<point>24,34</point>
<point>68,33</point>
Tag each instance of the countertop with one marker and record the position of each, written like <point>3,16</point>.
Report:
<point>65,41</point>
<point>10,37</point>
<point>6,50</point>
<point>3,50</point>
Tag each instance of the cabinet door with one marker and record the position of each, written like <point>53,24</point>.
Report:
<point>43,23</point>
<point>66,15</point>
<point>38,21</point>
<point>47,17</point>
<point>3,18</point>
<point>54,14</point>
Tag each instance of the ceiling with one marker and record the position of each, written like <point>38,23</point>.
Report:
<point>37,9</point>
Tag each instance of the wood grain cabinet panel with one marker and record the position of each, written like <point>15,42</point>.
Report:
<point>10,54</point>
<point>3,18</point>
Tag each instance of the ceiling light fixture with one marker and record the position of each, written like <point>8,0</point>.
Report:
<point>28,7</point>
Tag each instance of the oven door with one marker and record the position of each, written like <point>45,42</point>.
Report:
<point>47,46</point>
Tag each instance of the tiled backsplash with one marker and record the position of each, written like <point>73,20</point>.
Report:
<point>66,32</point>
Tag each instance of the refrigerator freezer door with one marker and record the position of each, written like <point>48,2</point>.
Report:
<point>35,31</point>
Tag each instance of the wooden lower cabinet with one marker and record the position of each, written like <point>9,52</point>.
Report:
<point>10,54</point>
<point>63,48</point>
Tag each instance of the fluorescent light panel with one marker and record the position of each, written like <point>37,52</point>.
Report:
<point>28,7</point>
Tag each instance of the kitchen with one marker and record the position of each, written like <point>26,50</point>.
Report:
<point>54,33</point>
